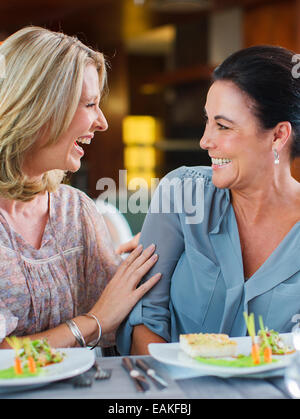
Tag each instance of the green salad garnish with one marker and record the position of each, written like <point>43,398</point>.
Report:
<point>241,361</point>
<point>30,357</point>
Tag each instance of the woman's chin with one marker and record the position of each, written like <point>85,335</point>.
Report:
<point>221,183</point>
<point>73,165</point>
<point>73,170</point>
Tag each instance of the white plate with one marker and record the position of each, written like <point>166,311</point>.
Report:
<point>76,361</point>
<point>170,353</point>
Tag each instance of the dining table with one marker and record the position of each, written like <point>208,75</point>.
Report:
<point>184,386</point>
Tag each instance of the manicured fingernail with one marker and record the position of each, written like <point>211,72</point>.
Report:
<point>154,257</point>
<point>152,246</point>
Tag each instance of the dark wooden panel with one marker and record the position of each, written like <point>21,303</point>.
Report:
<point>223,4</point>
<point>276,24</point>
<point>273,24</point>
<point>14,14</point>
<point>295,169</point>
<point>183,75</point>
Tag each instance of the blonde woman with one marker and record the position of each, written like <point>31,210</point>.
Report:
<point>59,275</point>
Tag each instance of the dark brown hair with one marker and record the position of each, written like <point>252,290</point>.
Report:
<point>265,74</point>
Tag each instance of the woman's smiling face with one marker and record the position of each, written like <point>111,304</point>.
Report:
<point>66,153</point>
<point>241,151</point>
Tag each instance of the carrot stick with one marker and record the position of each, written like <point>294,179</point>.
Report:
<point>18,366</point>
<point>15,343</point>
<point>255,353</point>
<point>267,349</point>
<point>268,354</point>
<point>31,365</point>
<point>250,323</point>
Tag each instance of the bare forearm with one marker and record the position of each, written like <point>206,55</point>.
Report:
<point>116,301</point>
<point>62,337</point>
<point>141,337</point>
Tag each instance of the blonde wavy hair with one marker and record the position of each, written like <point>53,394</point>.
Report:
<point>40,92</point>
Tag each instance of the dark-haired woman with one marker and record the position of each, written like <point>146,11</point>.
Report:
<point>243,255</point>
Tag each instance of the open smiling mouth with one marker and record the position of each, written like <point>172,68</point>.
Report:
<point>83,140</point>
<point>217,163</point>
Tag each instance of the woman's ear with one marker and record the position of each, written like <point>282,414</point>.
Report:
<point>282,133</point>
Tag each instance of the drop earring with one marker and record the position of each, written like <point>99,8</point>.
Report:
<point>276,156</point>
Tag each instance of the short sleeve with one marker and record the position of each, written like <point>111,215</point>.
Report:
<point>101,261</point>
<point>163,228</point>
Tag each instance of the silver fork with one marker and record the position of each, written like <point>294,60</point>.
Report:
<point>82,380</point>
<point>101,373</point>
<point>86,379</point>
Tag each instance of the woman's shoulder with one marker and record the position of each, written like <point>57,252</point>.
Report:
<point>67,192</point>
<point>192,172</point>
<point>195,176</point>
<point>69,199</point>
<point>193,188</point>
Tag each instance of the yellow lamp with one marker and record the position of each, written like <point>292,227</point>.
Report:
<point>139,158</point>
<point>141,129</point>
<point>134,178</point>
<point>140,132</point>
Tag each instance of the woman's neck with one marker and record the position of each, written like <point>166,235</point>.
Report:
<point>269,199</point>
<point>14,207</point>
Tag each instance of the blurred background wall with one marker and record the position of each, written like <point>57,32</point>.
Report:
<point>161,54</point>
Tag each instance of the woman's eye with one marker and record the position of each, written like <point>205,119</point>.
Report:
<point>221,127</point>
<point>90,105</point>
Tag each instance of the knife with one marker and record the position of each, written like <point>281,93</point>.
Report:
<point>139,380</point>
<point>160,382</point>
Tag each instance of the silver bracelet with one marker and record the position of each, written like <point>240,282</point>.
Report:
<point>76,332</point>
<point>95,342</point>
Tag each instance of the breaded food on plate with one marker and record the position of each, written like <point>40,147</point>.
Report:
<point>208,345</point>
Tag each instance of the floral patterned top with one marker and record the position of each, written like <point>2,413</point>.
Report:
<point>42,288</point>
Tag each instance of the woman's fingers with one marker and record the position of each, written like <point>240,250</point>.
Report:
<point>137,274</point>
<point>146,286</point>
<point>130,259</point>
<point>142,258</point>
<point>136,259</point>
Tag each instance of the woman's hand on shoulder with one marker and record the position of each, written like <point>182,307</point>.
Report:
<point>122,292</point>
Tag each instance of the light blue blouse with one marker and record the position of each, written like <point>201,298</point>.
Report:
<point>203,288</point>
